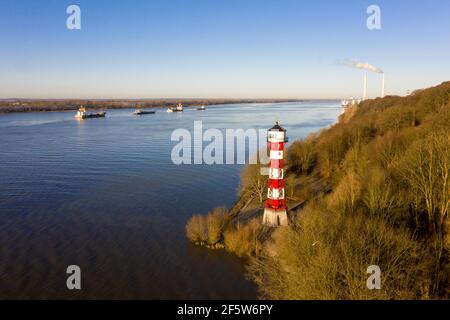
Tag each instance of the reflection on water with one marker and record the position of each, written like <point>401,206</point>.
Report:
<point>103,194</point>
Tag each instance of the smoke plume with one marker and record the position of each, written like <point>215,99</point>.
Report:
<point>361,65</point>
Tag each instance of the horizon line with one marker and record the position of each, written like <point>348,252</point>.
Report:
<point>156,99</point>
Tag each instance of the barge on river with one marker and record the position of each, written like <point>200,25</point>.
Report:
<point>139,112</point>
<point>82,114</point>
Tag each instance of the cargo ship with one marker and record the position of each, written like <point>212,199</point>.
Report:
<point>178,108</point>
<point>82,114</point>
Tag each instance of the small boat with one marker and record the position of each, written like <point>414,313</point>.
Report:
<point>82,114</point>
<point>202,108</point>
<point>178,108</point>
<point>139,112</point>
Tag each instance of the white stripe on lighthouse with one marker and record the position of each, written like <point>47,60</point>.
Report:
<point>276,154</point>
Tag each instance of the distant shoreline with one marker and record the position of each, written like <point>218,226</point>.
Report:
<point>37,105</point>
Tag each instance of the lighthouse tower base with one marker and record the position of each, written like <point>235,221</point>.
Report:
<point>275,218</point>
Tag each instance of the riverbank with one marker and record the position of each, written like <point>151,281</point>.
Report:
<point>371,190</point>
<point>37,105</point>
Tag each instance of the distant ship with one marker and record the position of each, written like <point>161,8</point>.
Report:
<point>350,102</point>
<point>202,108</point>
<point>81,114</point>
<point>178,108</point>
<point>346,103</point>
<point>139,112</point>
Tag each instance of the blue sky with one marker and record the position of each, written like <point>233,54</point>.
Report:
<point>219,49</point>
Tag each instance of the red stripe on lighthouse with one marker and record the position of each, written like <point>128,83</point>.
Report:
<point>276,146</point>
<point>276,183</point>
<point>276,204</point>
<point>276,164</point>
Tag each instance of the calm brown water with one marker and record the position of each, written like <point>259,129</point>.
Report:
<point>103,194</point>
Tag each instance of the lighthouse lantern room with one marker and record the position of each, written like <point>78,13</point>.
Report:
<point>275,213</point>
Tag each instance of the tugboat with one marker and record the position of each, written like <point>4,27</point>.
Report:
<point>81,114</point>
<point>178,108</point>
<point>202,108</point>
<point>139,112</point>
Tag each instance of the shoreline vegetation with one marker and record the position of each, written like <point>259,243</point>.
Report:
<point>374,189</point>
<point>37,105</point>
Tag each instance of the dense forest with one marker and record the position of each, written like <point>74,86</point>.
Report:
<point>374,189</point>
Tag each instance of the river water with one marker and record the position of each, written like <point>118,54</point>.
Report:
<point>105,195</point>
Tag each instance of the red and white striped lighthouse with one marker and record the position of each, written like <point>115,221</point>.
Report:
<point>275,213</point>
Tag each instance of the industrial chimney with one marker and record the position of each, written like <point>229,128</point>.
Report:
<point>365,87</point>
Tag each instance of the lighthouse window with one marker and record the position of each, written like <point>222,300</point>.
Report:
<point>277,155</point>
<point>273,173</point>
<point>275,193</point>
<point>276,173</point>
<point>278,136</point>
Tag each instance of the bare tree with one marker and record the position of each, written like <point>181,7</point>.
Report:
<point>253,182</point>
<point>427,170</point>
